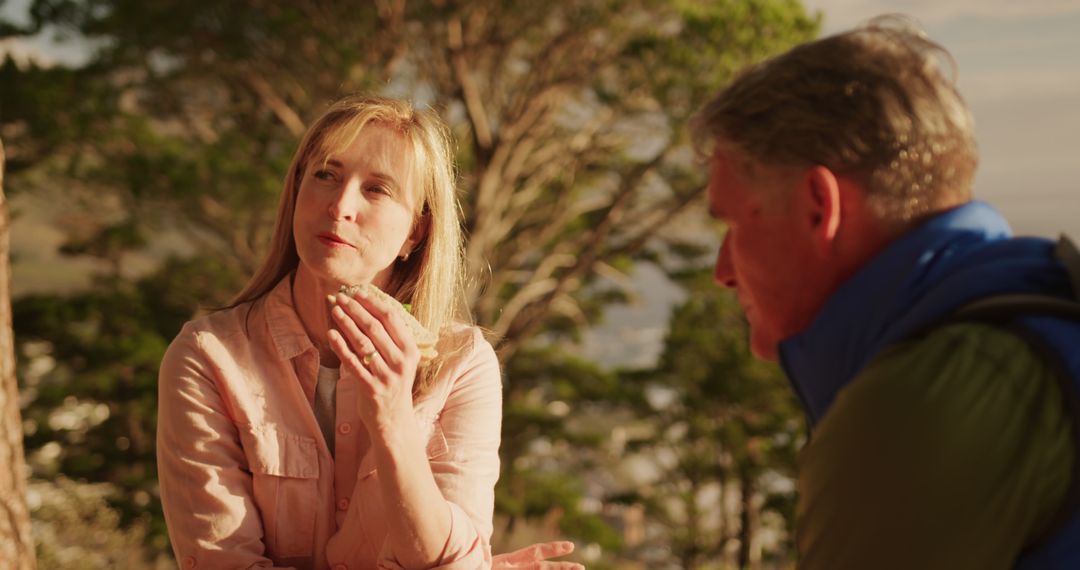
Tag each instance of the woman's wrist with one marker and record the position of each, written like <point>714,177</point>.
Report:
<point>390,429</point>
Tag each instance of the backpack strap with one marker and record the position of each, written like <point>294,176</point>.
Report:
<point>1069,255</point>
<point>1004,311</point>
<point>1000,309</point>
<point>1008,306</point>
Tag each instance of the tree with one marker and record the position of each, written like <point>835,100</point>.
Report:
<point>570,119</point>
<point>99,400</point>
<point>16,544</point>
<point>724,433</point>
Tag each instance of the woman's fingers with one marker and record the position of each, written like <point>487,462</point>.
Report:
<point>363,352</point>
<point>391,321</point>
<point>547,550</point>
<point>357,340</point>
<point>358,323</point>
<point>535,557</point>
<point>349,357</point>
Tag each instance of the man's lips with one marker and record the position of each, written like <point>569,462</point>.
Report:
<point>332,240</point>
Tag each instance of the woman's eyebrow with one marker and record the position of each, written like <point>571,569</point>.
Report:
<point>386,178</point>
<point>383,176</point>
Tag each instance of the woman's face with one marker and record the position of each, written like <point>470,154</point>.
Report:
<point>354,212</point>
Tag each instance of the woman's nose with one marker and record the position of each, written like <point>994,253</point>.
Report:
<point>345,204</point>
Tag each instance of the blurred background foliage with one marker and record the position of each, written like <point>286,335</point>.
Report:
<point>170,140</point>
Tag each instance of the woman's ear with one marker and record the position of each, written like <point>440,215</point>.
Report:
<point>823,192</point>
<point>420,231</point>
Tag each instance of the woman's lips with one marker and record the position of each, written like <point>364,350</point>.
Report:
<point>332,240</point>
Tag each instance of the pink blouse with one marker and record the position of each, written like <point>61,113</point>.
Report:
<point>247,479</point>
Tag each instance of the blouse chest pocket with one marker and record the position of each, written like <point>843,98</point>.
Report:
<point>285,480</point>
<point>431,427</point>
<point>437,447</point>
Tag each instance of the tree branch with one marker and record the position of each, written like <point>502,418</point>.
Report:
<point>658,217</point>
<point>529,318</point>
<point>16,541</point>
<point>276,104</point>
<point>470,92</point>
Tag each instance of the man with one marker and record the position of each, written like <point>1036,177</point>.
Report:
<point>843,170</point>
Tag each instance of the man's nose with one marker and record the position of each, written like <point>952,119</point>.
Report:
<point>724,274</point>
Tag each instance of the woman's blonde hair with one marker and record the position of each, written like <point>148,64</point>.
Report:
<point>872,103</point>
<point>431,278</point>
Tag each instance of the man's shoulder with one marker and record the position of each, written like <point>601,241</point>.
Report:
<point>964,425</point>
<point>951,365</point>
<point>967,344</point>
<point>963,389</point>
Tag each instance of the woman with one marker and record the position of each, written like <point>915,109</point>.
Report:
<point>298,432</point>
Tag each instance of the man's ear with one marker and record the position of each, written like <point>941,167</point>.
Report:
<point>823,191</point>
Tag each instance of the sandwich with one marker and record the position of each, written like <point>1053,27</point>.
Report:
<point>425,339</point>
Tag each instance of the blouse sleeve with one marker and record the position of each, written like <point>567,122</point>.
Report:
<point>467,469</point>
<point>206,487</point>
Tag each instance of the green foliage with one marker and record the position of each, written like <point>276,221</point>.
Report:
<point>74,527</point>
<point>95,412</point>
<point>91,406</point>
<point>715,39</point>
<point>569,119</point>
<point>720,419</point>
<point>43,110</point>
<point>539,444</point>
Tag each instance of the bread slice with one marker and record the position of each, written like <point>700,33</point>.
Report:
<point>425,339</point>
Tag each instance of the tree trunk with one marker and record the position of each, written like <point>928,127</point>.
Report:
<point>746,520</point>
<point>16,543</point>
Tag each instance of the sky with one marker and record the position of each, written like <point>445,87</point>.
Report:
<point>1018,68</point>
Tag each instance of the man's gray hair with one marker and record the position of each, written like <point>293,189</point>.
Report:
<point>872,104</point>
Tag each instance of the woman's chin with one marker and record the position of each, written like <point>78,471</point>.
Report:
<point>328,275</point>
<point>334,271</point>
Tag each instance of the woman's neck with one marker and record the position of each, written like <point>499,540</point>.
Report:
<point>309,299</point>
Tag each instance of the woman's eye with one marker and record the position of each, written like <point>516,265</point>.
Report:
<point>323,175</point>
<point>379,189</point>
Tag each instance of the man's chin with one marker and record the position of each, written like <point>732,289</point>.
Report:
<point>764,349</point>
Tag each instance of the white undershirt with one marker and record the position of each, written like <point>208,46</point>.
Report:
<point>326,403</point>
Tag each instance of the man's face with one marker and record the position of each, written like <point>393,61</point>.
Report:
<point>767,255</point>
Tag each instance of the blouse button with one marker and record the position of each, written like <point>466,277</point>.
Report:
<point>344,428</point>
<point>189,562</point>
<point>343,504</point>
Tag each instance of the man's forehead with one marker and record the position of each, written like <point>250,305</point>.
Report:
<point>718,175</point>
<point>716,209</point>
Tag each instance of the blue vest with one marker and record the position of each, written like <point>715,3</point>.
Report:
<point>953,259</point>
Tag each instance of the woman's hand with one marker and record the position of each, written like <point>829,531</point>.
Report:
<point>378,349</point>
<point>535,557</point>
